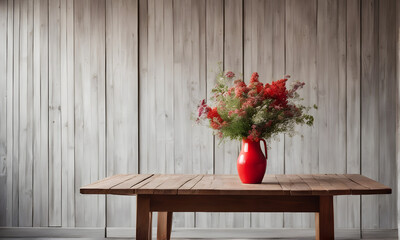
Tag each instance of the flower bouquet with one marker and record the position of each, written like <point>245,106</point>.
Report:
<point>252,113</point>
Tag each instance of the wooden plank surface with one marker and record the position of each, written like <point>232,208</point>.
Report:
<point>192,184</point>
<point>89,69</point>
<point>301,151</point>
<point>369,73</point>
<point>214,56</point>
<point>10,114</point>
<point>15,110</point>
<point>55,127</point>
<point>264,52</point>
<point>353,83</point>
<point>378,118</point>
<point>331,114</point>
<point>191,143</point>
<point>25,178</point>
<point>67,113</point>
<point>122,102</point>
<point>387,111</point>
<point>40,100</point>
<point>3,112</point>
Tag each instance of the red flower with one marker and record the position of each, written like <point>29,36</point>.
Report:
<point>216,121</point>
<point>254,77</point>
<point>277,90</point>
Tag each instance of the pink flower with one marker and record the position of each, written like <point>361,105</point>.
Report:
<point>230,74</point>
<point>254,134</point>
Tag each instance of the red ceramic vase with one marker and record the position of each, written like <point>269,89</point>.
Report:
<point>251,163</point>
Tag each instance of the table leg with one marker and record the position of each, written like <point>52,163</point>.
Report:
<point>324,221</point>
<point>143,218</point>
<point>164,225</point>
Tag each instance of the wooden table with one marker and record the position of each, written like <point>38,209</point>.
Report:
<point>225,193</point>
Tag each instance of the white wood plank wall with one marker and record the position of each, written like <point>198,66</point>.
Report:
<point>92,88</point>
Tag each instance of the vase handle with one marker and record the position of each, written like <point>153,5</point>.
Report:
<point>265,147</point>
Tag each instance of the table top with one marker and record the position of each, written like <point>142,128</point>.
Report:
<point>192,184</point>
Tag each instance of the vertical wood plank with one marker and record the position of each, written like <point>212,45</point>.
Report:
<point>214,55</point>
<point>156,81</point>
<point>40,101</point>
<point>10,114</point>
<point>122,103</point>
<point>331,117</point>
<point>387,111</point>
<point>353,123</point>
<point>301,151</point>
<point>25,120</point>
<point>15,133</point>
<point>190,141</point>
<point>369,108</point>
<point>156,87</point>
<point>377,114</point>
<point>55,126</point>
<point>264,52</point>
<point>353,75</point>
<point>226,153</point>
<point>89,40</point>
<point>67,113</point>
<point>398,112</point>
<point>3,111</point>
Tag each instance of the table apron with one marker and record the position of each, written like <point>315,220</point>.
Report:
<point>232,203</point>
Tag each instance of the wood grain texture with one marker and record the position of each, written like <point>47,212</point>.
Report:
<point>226,153</point>
<point>15,110</point>
<point>301,151</point>
<point>156,86</point>
<point>353,101</point>
<point>67,113</point>
<point>55,126</point>
<point>3,112</point>
<point>192,184</point>
<point>10,115</point>
<point>191,143</point>
<point>122,102</point>
<point>344,50</point>
<point>89,70</point>
<point>398,110</point>
<point>214,56</point>
<point>387,110</point>
<point>40,108</point>
<point>377,89</point>
<point>331,72</point>
<point>25,115</point>
<point>264,52</point>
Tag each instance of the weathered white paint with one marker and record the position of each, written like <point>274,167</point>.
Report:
<point>80,79</point>
<point>301,151</point>
<point>90,117</point>
<point>3,112</point>
<point>378,118</point>
<point>122,103</point>
<point>41,126</point>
